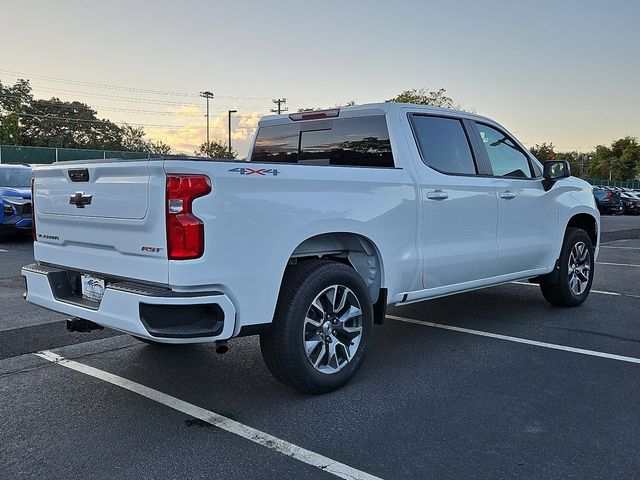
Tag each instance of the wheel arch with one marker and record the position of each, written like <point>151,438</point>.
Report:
<point>353,249</point>
<point>586,222</point>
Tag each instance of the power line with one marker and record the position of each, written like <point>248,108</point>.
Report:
<point>119,109</point>
<point>279,102</point>
<point>122,87</point>
<point>79,120</point>
<point>119,97</point>
<point>123,99</point>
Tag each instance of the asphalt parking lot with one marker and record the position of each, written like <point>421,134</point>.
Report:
<point>489,384</point>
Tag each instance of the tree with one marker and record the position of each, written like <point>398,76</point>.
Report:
<point>620,161</point>
<point>56,123</point>
<point>134,140</point>
<point>580,163</point>
<point>13,101</point>
<point>216,149</point>
<point>630,160</point>
<point>158,147</point>
<point>424,96</point>
<point>543,152</point>
<point>350,103</point>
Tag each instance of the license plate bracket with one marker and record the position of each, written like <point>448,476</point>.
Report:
<point>91,287</point>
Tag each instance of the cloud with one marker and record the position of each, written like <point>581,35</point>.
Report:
<point>193,130</point>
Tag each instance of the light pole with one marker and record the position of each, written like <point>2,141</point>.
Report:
<point>207,94</point>
<point>230,112</point>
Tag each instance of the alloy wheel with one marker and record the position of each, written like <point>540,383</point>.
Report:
<point>579,268</point>
<point>332,329</point>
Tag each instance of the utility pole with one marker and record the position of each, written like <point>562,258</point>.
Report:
<point>230,112</point>
<point>207,94</point>
<point>279,102</point>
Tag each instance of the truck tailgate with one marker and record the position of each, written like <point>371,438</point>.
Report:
<point>106,217</point>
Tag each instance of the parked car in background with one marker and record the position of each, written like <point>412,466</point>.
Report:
<point>608,201</point>
<point>631,203</point>
<point>15,194</point>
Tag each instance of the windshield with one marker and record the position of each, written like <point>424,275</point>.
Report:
<point>15,177</point>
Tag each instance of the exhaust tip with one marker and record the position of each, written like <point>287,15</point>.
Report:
<point>222,347</point>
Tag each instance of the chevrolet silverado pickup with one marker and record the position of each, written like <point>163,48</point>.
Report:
<point>335,215</point>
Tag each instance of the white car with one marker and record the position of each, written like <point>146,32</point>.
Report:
<point>337,214</point>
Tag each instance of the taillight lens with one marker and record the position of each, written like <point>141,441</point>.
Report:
<point>609,195</point>
<point>185,231</point>
<point>33,209</point>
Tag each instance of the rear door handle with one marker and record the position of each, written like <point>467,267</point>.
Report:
<point>437,195</point>
<point>507,195</point>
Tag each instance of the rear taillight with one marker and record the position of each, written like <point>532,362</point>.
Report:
<point>33,209</point>
<point>185,231</point>
<point>609,195</point>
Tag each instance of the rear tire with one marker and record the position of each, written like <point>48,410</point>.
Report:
<point>570,285</point>
<point>321,327</point>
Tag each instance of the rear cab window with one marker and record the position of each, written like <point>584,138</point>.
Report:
<point>351,141</point>
<point>443,144</point>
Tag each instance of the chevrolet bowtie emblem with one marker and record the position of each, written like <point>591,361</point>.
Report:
<point>80,199</point>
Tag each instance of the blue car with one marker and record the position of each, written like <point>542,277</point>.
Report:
<point>15,195</point>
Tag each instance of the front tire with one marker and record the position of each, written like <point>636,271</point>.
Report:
<point>571,284</point>
<point>321,327</point>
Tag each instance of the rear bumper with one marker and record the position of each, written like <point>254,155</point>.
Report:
<point>153,313</point>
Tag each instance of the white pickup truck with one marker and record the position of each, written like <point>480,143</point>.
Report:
<point>336,214</point>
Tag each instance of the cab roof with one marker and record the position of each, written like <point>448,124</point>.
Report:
<point>370,109</point>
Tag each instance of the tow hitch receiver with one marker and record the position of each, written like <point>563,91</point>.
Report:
<point>76,324</point>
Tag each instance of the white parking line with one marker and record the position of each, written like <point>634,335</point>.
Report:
<point>602,292</point>
<point>269,441</point>
<point>617,264</point>
<point>3,250</point>
<point>553,346</point>
<point>620,248</point>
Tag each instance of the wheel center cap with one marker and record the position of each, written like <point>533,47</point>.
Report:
<point>326,328</point>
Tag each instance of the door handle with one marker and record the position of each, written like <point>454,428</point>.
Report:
<point>437,195</point>
<point>507,195</point>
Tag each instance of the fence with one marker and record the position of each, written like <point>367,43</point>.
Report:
<point>44,155</point>
<point>613,183</point>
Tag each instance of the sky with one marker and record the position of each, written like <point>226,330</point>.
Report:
<point>566,72</point>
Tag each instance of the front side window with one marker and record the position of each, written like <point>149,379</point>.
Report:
<point>443,144</point>
<point>357,141</point>
<point>505,157</point>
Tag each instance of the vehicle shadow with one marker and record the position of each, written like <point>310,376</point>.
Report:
<point>20,238</point>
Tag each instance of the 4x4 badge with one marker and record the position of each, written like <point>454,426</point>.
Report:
<point>257,171</point>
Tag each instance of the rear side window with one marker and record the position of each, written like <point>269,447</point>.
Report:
<point>443,144</point>
<point>359,141</point>
<point>277,144</point>
<point>506,158</point>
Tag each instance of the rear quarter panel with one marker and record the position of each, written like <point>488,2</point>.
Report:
<point>254,222</point>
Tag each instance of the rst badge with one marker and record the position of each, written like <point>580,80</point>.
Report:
<point>255,171</point>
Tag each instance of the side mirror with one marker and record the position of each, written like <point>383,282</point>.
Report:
<point>553,171</point>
